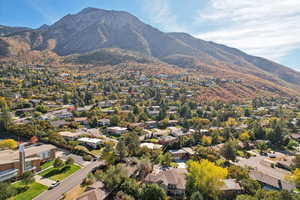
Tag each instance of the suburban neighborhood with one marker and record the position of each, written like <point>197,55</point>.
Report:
<point>112,136</point>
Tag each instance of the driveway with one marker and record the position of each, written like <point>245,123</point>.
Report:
<point>43,181</point>
<point>63,154</point>
<point>69,183</point>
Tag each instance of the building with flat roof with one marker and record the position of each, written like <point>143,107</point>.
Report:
<point>116,130</point>
<point>91,142</point>
<point>14,163</point>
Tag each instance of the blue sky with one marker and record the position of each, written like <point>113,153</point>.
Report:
<point>267,28</point>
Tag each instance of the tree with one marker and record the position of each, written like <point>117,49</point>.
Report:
<point>8,144</point>
<point>245,136</point>
<point>108,154</point>
<point>58,163</point>
<point>131,117</point>
<point>185,112</point>
<point>231,122</point>
<point>5,117</point>
<point>132,141</point>
<point>7,190</point>
<point>70,161</point>
<point>144,167</point>
<point>259,132</point>
<point>114,120</point>
<point>206,140</point>
<point>296,162</point>
<point>153,192</point>
<point>205,177</point>
<point>262,146</point>
<point>295,177</point>
<point>245,197</point>
<point>237,172</point>
<point>229,151</point>
<point>66,99</point>
<point>131,187</point>
<point>28,178</point>
<point>197,196</point>
<point>121,149</point>
<point>166,159</point>
<point>33,139</point>
<point>250,186</point>
<point>114,176</point>
<point>276,136</point>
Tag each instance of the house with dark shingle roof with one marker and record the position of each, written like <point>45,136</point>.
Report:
<point>173,180</point>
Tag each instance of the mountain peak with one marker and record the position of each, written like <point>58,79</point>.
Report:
<point>90,9</point>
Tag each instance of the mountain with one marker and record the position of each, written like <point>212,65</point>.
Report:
<point>7,30</point>
<point>98,36</point>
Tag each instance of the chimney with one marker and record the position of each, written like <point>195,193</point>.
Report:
<point>21,159</point>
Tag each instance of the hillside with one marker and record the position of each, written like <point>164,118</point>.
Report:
<point>102,37</point>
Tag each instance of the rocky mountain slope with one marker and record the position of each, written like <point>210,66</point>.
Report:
<point>97,36</point>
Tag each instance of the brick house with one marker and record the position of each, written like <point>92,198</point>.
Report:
<point>14,163</point>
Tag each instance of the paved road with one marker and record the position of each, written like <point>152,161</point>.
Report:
<point>68,183</point>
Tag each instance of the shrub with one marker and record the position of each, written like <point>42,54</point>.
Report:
<point>87,157</point>
<point>58,163</point>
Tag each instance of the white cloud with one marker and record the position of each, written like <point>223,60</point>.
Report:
<point>159,12</point>
<point>43,11</point>
<point>269,28</point>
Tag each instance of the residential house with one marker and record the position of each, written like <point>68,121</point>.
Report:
<point>151,146</point>
<point>151,124</point>
<point>271,182</point>
<point>103,122</point>
<point>296,136</point>
<point>95,191</point>
<point>116,130</point>
<point>62,114</point>
<point>59,123</point>
<point>90,142</point>
<point>70,135</point>
<point>82,120</point>
<point>230,189</point>
<point>183,153</point>
<point>172,180</point>
<point>167,139</point>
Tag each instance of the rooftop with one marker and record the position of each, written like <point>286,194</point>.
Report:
<point>10,156</point>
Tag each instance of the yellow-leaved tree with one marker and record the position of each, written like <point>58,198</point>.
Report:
<point>205,177</point>
<point>245,136</point>
<point>295,177</point>
<point>8,144</point>
<point>231,122</point>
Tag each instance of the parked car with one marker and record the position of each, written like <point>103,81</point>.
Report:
<point>54,185</point>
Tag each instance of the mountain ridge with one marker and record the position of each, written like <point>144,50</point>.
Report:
<point>93,29</point>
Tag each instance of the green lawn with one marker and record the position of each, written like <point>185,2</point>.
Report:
<point>47,164</point>
<point>59,173</point>
<point>34,190</point>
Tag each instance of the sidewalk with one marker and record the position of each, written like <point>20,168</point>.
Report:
<point>44,181</point>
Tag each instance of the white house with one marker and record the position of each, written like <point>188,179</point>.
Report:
<point>91,142</point>
<point>116,130</point>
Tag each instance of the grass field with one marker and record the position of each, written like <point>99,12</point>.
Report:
<point>59,173</point>
<point>47,164</point>
<point>34,190</point>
